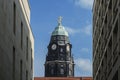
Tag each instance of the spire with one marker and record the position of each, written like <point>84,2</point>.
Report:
<point>60,20</point>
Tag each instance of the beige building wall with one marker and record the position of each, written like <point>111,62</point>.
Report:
<point>16,41</point>
<point>106,40</point>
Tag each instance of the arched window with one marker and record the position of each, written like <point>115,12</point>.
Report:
<point>52,71</point>
<point>61,65</point>
<point>61,50</point>
<point>61,71</point>
<point>70,72</point>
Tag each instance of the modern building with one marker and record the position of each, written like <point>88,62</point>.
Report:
<point>16,41</point>
<point>59,60</point>
<point>62,78</point>
<point>106,40</point>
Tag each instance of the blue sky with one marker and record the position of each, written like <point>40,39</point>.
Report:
<point>77,19</point>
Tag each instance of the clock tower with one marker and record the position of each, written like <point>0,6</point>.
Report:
<point>59,60</point>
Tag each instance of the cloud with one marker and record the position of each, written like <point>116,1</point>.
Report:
<point>84,3</point>
<point>86,50</point>
<point>72,31</point>
<point>84,64</point>
<point>87,30</point>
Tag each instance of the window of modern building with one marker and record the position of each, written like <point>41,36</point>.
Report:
<point>115,77</point>
<point>14,18</point>
<point>27,48</point>
<point>21,35</point>
<point>115,32</point>
<point>110,5</point>
<point>13,63</point>
<point>21,64</point>
<point>31,59</point>
<point>26,75</point>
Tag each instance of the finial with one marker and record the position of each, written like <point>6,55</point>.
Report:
<point>59,20</point>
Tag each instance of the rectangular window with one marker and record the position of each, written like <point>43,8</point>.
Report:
<point>61,71</point>
<point>52,71</point>
<point>115,33</point>
<point>31,59</point>
<point>13,63</point>
<point>21,64</point>
<point>14,18</point>
<point>115,76</point>
<point>27,48</point>
<point>70,72</point>
<point>21,35</point>
<point>26,75</point>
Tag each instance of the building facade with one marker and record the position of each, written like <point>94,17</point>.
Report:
<point>106,40</point>
<point>63,78</point>
<point>59,60</point>
<point>16,41</point>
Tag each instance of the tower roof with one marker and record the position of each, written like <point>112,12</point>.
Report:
<point>60,30</point>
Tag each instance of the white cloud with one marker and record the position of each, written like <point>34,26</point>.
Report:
<point>87,30</point>
<point>84,3</point>
<point>72,31</point>
<point>86,50</point>
<point>84,64</point>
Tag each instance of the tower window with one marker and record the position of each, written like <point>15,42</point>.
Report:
<point>54,38</point>
<point>62,58</point>
<point>70,66</point>
<point>70,72</point>
<point>61,71</point>
<point>61,50</point>
<point>52,71</point>
<point>61,54</point>
<point>61,65</point>
<point>52,65</point>
<point>60,42</point>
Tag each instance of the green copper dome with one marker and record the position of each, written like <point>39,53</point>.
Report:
<point>60,30</point>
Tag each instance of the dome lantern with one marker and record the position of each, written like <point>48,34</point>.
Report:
<point>60,30</point>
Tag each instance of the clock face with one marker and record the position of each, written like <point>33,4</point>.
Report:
<point>54,46</point>
<point>68,48</point>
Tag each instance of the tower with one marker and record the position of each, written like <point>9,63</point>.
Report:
<point>59,61</point>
